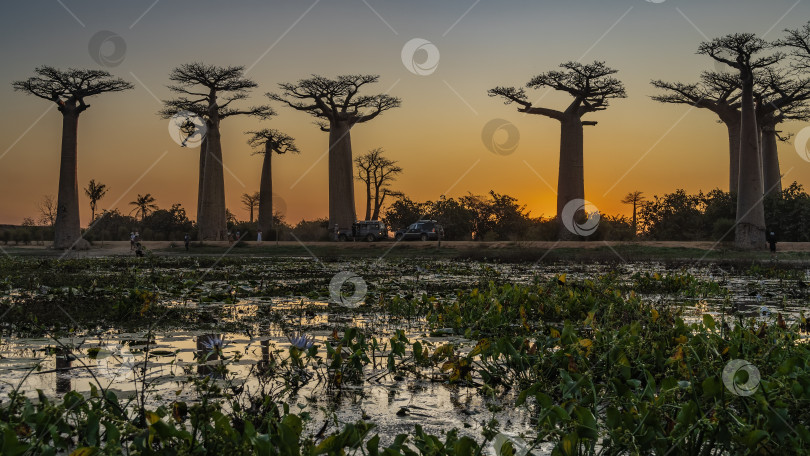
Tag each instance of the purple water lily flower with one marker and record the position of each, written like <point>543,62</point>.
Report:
<point>301,341</point>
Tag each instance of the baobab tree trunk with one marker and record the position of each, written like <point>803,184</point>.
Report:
<point>201,179</point>
<point>732,123</point>
<point>67,229</point>
<point>212,223</point>
<point>750,226</point>
<point>341,184</point>
<point>266,195</point>
<point>770,161</point>
<point>571,179</point>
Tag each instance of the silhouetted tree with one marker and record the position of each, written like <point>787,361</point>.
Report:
<point>719,93</point>
<point>592,86</point>
<point>267,142</point>
<point>740,51</point>
<point>143,205</point>
<point>339,103</point>
<point>209,91</point>
<point>250,202</point>
<point>47,210</point>
<point>785,99</point>
<point>797,42</point>
<point>94,191</point>
<point>635,198</point>
<point>69,89</point>
<point>376,172</point>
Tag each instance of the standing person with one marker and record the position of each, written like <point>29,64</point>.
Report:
<point>131,241</point>
<point>771,237</point>
<point>186,240</point>
<point>259,237</point>
<point>137,238</point>
<point>238,235</point>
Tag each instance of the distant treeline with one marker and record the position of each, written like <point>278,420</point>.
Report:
<point>676,216</point>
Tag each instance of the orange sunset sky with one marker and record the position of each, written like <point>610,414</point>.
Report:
<point>436,134</point>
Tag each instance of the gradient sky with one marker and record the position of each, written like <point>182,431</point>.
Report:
<point>435,135</point>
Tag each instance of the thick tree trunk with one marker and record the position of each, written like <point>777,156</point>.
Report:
<point>266,196</point>
<point>733,126</point>
<point>67,229</point>
<point>571,179</point>
<point>212,224</point>
<point>750,226</point>
<point>341,182</point>
<point>201,179</point>
<point>770,161</point>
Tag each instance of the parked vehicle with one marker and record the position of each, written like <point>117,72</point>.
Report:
<point>364,230</point>
<point>423,230</point>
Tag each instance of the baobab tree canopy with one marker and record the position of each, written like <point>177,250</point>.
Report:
<point>339,106</point>
<point>592,87</point>
<point>211,92</point>
<point>69,89</point>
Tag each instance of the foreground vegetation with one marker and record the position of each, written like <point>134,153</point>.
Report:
<point>600,366</point>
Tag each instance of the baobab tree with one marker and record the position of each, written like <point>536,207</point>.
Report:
<point>635,198</point>
<point>94,191</point>
<point>69,89</point>
<point>209,92</point>
<point>742,51</point>
<point>592,86</point>
<point>144,205</point>
<point>716,92</point>
<point>786,99</point>
<point>339,105</point>
<point>376,172</point>
<point>267,142</point>
<point>250,201</point>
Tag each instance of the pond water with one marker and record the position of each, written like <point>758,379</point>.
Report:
<point>166,360</point>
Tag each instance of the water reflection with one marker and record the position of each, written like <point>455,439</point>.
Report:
<point>64,360</point>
